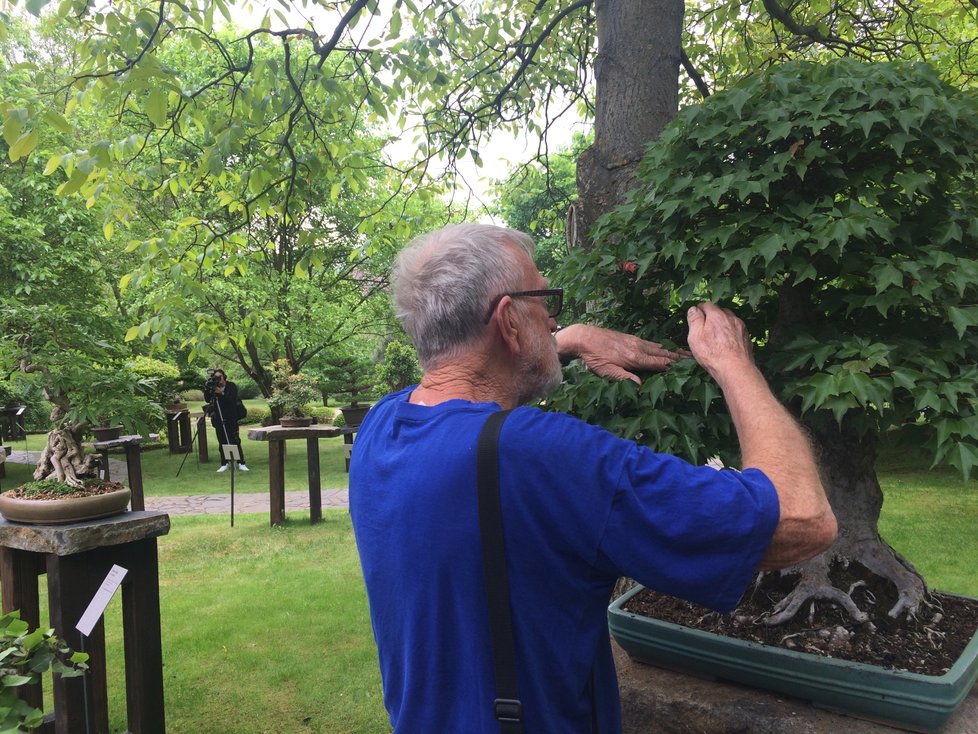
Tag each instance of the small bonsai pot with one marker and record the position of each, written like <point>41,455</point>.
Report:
<point>65,510</point>
<point>295,421</point>
<point>354,414</point>
<point>106,433</point>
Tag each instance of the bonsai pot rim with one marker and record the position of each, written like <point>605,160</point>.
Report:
<point>353,414</point>
<point>64,511</point>
<point>106,433</point>
<point>911,700</point>
<point>295,421</point>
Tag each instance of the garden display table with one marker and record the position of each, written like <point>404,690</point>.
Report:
<point>178,430</point>
<point>5,451</point>
<point>276,437</point>
<point>11,426</point>
<point>76,559</point>
<point>133,465</point>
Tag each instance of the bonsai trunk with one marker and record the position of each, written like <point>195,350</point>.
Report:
<point>63,457</point>
<point>847,463</point>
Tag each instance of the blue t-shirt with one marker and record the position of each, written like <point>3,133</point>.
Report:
<point>581,507</point>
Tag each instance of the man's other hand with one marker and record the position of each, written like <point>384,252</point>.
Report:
<point>614,355</point>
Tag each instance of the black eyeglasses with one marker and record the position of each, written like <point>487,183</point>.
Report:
<point>553,299</point>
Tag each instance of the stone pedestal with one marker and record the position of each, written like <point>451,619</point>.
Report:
<point>658,701</point>
<point>76,559</point>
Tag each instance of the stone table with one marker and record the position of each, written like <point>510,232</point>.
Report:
<point>76,559</point>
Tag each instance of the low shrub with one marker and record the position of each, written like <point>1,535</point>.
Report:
<point>322,414</point>
<point>258,414</point>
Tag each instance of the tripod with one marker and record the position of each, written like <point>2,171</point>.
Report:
<point>229,451</point>
<point>193,438</point>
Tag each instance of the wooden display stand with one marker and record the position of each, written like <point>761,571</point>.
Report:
<point>76,559</point>
<point>200,420</point>
<point>178,431</point>
<point>134,465</point>
<point>276,437</point>
<point>11,427</point>
<point>5,451</point>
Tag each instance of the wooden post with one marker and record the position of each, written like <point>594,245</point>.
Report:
<point>72,581</point>
<point>276,481</point>
<point>315,483</point>
<point>135,469</point>
<point>202,439</point>
<point>144,652</point>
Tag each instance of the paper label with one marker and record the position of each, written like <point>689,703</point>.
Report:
<point>96,607</point>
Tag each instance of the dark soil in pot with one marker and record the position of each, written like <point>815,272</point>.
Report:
<point>928,645</point>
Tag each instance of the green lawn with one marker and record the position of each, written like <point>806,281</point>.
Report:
<point>264,630</point>
<point>931,517</point>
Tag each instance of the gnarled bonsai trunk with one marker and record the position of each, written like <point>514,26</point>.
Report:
<point>846,463</point>
<point>63,457</point>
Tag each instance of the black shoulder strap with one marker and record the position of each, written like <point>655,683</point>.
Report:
<point>507,706</point>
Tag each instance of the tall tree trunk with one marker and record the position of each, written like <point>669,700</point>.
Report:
<point>637,78</point>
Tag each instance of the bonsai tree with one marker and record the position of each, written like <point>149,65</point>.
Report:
<point>101,396</point>
<point>291,392</point>
<point>835,208</point>
<point>72,359</point>
<point>347,373</point>
<point>399,367</point>
<point>165,379</point>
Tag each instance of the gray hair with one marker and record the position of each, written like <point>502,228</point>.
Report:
<point>443,283</point>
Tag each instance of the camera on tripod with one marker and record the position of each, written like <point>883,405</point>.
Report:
<point>212,381</point>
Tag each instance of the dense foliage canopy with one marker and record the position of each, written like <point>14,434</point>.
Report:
<point>835,208</point>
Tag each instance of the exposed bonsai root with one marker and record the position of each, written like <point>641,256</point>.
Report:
<point>63,458</point>
<point>814,583</point>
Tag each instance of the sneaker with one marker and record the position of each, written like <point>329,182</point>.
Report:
<point>243,467</point>
<point>224,467</point>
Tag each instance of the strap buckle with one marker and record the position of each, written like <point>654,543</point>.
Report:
<point>508,710</point>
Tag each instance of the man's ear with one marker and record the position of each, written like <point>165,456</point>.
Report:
<point>510,327</point>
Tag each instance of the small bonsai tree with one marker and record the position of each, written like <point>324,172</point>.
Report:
<point>835,208</point>
<point>24,656</point>
<point>399,367</point>
<point>345,373</point>
<point>291,392</point>
<point>99,396</point>
<point>164,378</point>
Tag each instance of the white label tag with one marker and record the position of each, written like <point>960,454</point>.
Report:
<point>96,607</point>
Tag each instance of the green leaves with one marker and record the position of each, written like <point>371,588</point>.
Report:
<point>831,206</point>
<point>24,656</point>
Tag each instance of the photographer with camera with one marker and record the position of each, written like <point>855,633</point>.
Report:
<point>225,409</point>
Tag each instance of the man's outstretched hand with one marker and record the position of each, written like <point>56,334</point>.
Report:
<point>614,355</point>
